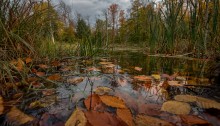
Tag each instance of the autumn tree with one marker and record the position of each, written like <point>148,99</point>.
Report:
<point>113,13</point>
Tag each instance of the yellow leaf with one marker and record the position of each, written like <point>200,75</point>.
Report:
<point>207,103</point>
<point>105,63</point>
<point>112,101</point>
<point>103,90</point>
<point>1,105</point>
<point>142,120</point>
<point>176,107</point>
<point>156,76</point>
<point>126,116</point>
<point>15,116</point>
<point>185,98</point>
<point>77,119</point>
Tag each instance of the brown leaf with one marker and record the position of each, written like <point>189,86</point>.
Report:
<point>55,63</point>
<point>48,92</point>
<point>207,103</point>
<point>105,63</point>
<point>103,90</point>
<point>185,98</point>
<point>28,60</point>
<point>20,64</point>
<point>138,68</point>
<point>142,120</point>
<point>54,77</point>
<point>15,116</point>
<point>176,107</point>
<point>40,74</point>
<point>103,119</point>
<point>112,101</point>
<point>43,66</point>
<point>1,105</point>
<point>142,78</point>
<point>193,120</point>
<point>95,101</point>
<point>175,83</point>
<point>75,80</point>
<point>76,119</point>
<point>126,116</point>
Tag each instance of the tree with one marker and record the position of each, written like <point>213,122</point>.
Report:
<point>113,11</point>
<point>82,29</point>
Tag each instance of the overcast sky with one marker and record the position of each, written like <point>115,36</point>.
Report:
<point>94,8</point>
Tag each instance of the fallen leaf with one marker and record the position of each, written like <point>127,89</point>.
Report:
<point>17,117</point>
<point>175,83</point>
<point>142,120</point>
<point>54,77</point>
<point>176,107</point>
<point>55,63</point>
<point>15,96</point>
<point>40,74</point>
<point>138,68</point>
<point>193,120</point>
<point>1,105</point>
<point>156,76</point>
<point>126,116</point>
<point>75,80</point>
<point>95,101</point>
<point>48,92</point>
<point>105,63</point>
<point>20,64</point>
<point>28,60</point>
<point>112,101</point>
<point>64,69</point>
<point>103,119</point>
<point>142,78</point>
<point>50,120</point>
<point>93,69</point>
<point>185,98</point>
<point>103,90</point>
<point>200,101</point>
<point>207,103</point>
<point>76,119</point>
<point>31,79</point>
<point>43,66</point>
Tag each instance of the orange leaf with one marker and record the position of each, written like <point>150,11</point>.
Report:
<point>1,105</point>
<point>76,119</point>
<point>48,92</point>
<point>95,101</point>
<point>75,80</point>
<point>54,77</point>
<point>43,66</point>
<point>126,116</point>
<point>28,60</point>
<point>142,78</point>
<point>138,68</point>
<point>20,65</point>
<point>40,74</point>
<point>103,119</point>
<point>193,120</point>
<point>112,101</point>
<point>55,63</point>
<point>150,121</point>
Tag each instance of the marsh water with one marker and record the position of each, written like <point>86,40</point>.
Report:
<point>116,71</point>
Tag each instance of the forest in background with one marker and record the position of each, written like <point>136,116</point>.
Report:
<point>168,27</point>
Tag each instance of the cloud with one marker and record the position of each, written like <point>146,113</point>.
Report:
<point>93,8</point>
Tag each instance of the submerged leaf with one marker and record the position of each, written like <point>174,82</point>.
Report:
<point>126,116</point>
<point>15,116</point>
<point>142,120</point>
<point>76,119</point>
<point>112,101</point>
<point>176,107</point>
